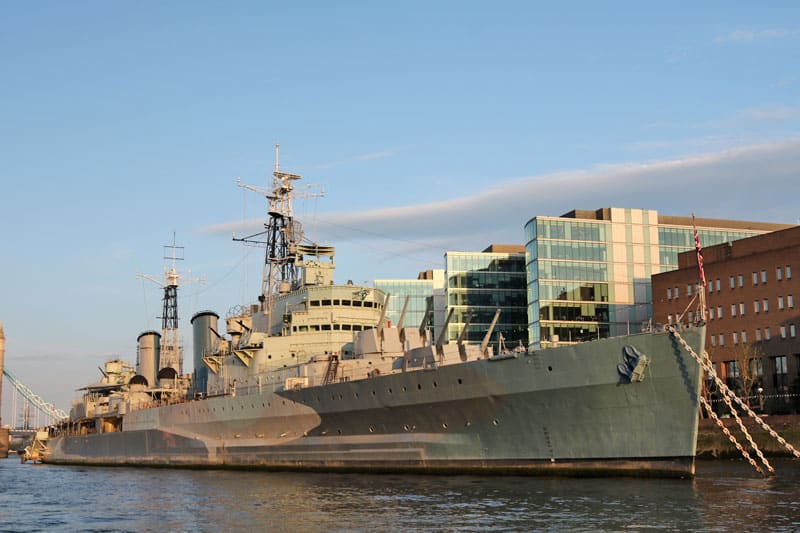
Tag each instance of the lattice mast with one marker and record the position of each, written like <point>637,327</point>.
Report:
<point>282,233</point>
<point>171,347</point>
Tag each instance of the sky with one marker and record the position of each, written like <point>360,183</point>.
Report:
<point>428,126</point>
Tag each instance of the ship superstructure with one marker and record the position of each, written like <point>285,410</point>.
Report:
<point>314,376</point>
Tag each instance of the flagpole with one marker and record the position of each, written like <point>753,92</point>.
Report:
<point>703,284</point>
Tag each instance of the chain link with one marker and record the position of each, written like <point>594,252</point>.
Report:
<point>730,436</point>
<point>729,395</point>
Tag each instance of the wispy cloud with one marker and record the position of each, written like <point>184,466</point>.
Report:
<point>719,184</point>
<point>357,159</point>
<point>772,113</point>
<point>751,36</point>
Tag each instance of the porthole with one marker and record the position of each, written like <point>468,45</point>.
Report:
<point>444,425</point>
<point>406,428</point>
<point>372,429</point>
<point>419,386</point>
<point>404,388</point>
<point>434,384</point>
<point>495,422</point>
<point>549,368</point>
<point>459,381</point>
<point>390,391</point>
<point>373,393</point>
<point>339,431</point>
<point>355,394</point>
<point>467,424</point>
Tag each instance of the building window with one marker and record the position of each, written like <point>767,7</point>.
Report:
<point>719,311</point>
<point>780,379</point>
<point>732,368</point>
<point>669,293</point>
<point>741,280</point>
<point>669,319</point>
<point>767,335</point>
<point>733,282</point>
<point>722,339</point>
<point>756,306</point>
<point>733,309</point>
<point>713,340</point>
<point>741,309</point>
<point>790,301</point>
<point>744,337</point>
<point>718,285</point>
<point>766,305</point>
<point>711,313</point>
<point>763,276</point>
<point>691,317</point>
<point>757,367</point>
<point>792,331</point>
<point>783,332</point>
<point>780,302</point>
<point>758,334</point>
<point>779,273</point>
<point>735,338</point>
<point>788,271</point>
<point>677,293</point>
<point>688,290</point>
<point>755,278</point>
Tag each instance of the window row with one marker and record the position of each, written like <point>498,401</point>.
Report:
<point>789,331</point>
<point>329,327</point>
<point>758,307</point>
<point>347,303</point>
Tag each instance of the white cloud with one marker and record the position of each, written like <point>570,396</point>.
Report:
<point>772,113</point>
<point>750,36</point>
<point>356,159</point>
<point>758,182</point>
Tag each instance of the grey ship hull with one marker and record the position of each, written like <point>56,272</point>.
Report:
<point>565,410</point>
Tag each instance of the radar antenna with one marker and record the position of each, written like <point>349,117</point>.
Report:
<point>282,232</point>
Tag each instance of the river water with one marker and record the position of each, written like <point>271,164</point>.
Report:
<point>724,496</point>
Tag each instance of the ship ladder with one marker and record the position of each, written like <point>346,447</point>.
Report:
<point>729,397</point>
<point>330,373</point>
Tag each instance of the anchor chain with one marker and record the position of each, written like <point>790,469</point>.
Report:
<point>728,394</point>
<point>730,436</point>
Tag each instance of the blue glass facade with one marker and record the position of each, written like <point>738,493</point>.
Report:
<point>590,278</point>
<point>480,283</point>
<point>417,290</point>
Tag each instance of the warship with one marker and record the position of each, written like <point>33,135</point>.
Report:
<point>314,377</point>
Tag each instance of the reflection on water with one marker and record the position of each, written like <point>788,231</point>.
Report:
<point>725,496</point>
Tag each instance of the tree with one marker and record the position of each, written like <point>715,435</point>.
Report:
<point>748,360</point>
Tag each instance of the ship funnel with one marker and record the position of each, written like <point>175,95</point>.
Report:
<point>204,336</point>
<point>148,356</point>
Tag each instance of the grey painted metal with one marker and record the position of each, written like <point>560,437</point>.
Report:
<point>565,410</point>
<point>204,324</point>
<point>148,349</point>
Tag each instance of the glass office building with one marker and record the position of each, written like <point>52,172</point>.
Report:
<point>418,291</point>
<point>479,283</point>
<point>588,272</point>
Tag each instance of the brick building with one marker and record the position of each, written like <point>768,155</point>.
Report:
<point>753,315</point>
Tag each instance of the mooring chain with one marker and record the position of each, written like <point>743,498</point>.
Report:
<point>760,421</point>
<point>753,444</point>
<point>705,362</point>
<point>730,436</point>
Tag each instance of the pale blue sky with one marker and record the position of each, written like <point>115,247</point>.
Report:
<point>430,125</point>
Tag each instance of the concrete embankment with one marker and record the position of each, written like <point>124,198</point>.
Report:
<point>713,443</point>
